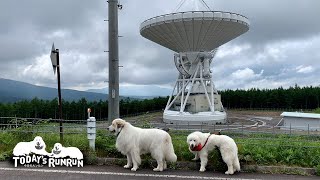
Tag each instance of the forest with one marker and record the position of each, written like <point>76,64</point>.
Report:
<point>291,98</point>
<point>38,108</point>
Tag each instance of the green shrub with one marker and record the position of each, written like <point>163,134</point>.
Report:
<point>318,170</point>
<point>106,145</point>
<point>317,111</point>
<point>90,157</point>
<point>216,161</point>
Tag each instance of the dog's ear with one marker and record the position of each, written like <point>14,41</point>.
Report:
<point>217,133</point>
<point>120,123</point>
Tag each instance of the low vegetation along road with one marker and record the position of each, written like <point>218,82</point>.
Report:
<point>8,172</point>
<point>255,148</point>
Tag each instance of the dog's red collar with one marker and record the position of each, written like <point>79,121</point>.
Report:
<point>199,147</point>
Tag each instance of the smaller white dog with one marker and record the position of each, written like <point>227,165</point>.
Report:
<point>37,146</point>
<point>59,151</point>
<point>202,143</point>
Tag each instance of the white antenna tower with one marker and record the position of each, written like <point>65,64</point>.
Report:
<point>194,36</point>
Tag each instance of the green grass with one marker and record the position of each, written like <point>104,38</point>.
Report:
<point>262,149</point>
<point>318,170</point>
<point>291,151</point>
<point>316,111</point>
<point>254,149</point>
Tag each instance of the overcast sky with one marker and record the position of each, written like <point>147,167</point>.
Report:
<point>282,47</point>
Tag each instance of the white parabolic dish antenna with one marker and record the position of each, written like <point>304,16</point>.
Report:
<point>195,37</point>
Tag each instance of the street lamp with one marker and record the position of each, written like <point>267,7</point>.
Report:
<point>56,67</point>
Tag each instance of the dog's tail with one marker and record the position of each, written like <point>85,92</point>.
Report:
<point>236,163</point>
<point>169,154</point>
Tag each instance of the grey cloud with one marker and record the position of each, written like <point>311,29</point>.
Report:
<point>276,20</point>
<point>28,29</point>
<point>49,15</point>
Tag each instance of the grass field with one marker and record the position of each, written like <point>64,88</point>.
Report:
<point>261,149</point>
<point>254,148</point>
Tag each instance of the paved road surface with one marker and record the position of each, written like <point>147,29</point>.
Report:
<point>8,172</point>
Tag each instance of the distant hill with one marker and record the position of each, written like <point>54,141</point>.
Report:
<point>105,90</point>
<point>139,91</point>
<point>11,91</point>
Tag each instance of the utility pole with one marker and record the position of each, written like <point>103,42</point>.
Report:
<point>113,105</point>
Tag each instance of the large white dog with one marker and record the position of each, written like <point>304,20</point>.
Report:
<point>59,151</point>
<point>37,146</point>
<point>133,141</point>
<point>202,143</point>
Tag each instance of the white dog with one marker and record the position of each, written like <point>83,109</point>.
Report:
<point>202,143</point>
<point>37,146</point>
<point>133,141</point>
<point>59,151</point>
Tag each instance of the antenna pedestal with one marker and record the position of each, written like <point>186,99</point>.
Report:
<point>194,99</point>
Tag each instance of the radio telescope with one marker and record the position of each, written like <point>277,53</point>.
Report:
<point>194,36</point>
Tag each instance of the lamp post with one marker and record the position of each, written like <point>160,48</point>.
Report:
<point>56,67</point>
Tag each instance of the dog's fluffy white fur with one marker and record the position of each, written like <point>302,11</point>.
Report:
<point>37,146</point>
<point>133,141</point>
<point>226,145</point>
<point>59,151</point>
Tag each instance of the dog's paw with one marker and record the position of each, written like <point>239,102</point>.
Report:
<point>165,167</point>
<point>134,169</point>
<point>194,159</point>
<point>127,166</point>
<point>228,173</point>
<point>157,169</point>
<point>202,169</point>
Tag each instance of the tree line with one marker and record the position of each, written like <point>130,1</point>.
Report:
<point>292,98</point>
<point>38,108</point>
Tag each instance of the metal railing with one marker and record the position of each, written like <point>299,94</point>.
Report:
<point>250,133</point>
<point>74,126</point>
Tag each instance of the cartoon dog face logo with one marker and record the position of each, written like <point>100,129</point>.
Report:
<point>59,151</point>
<point>38,143</point>
<point>57,148</point>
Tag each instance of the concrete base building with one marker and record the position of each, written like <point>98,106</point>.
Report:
<point>301,121</point>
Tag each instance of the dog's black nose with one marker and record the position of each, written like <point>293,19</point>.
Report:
<point>191,146</point>
<point>38,143</point>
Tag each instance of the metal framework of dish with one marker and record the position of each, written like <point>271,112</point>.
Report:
<point>195,37</point>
